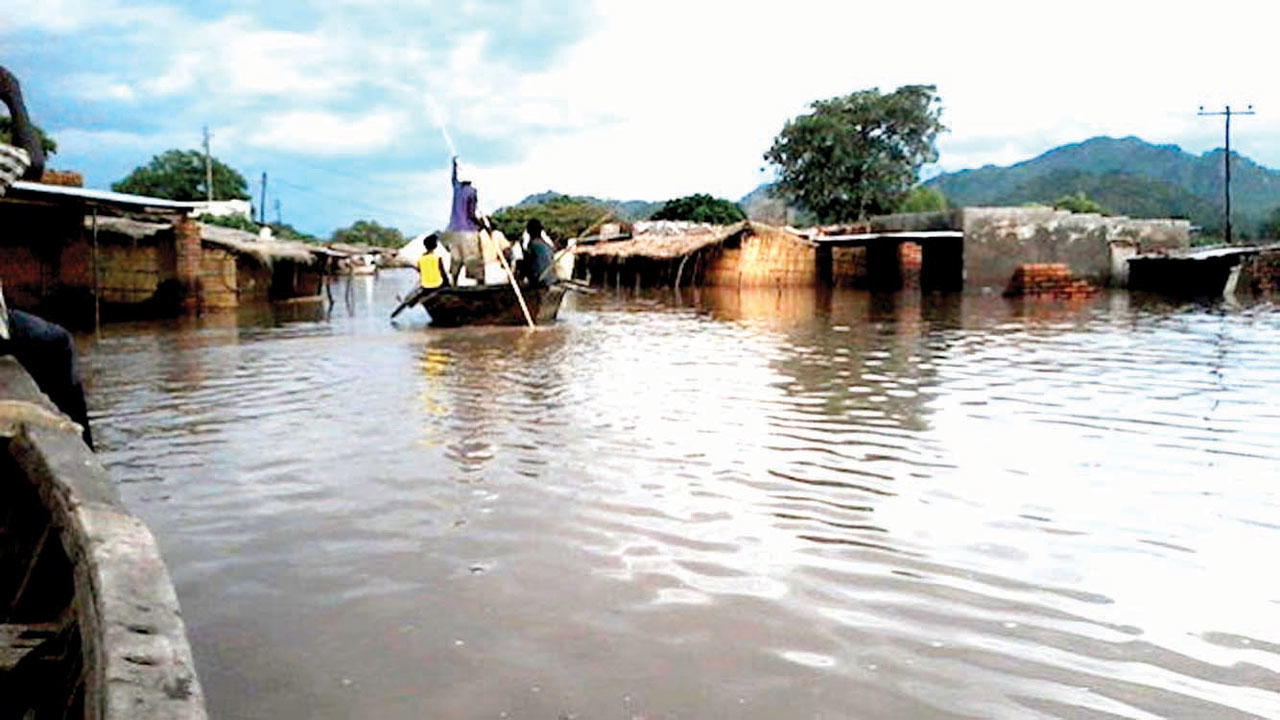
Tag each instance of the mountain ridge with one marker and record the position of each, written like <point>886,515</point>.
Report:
<point>1127,176</point>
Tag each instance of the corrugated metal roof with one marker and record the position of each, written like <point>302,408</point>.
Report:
<point>100,197</point>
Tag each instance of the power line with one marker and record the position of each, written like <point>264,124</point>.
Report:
<point>1227,112</point>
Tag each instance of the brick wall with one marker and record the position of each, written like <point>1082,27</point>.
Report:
<point>217,285</point>
<point>768,258</point>
<point>187,256</point>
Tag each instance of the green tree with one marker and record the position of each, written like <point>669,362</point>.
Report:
<point>180,175</point>
<point>6,135</point>
<point>923,199</point>
<point>563,216</point>
<point>701,208</point>
<point>236,222</point>
<point>859,154</point>
<point>285,231</point>
<point>1270,228</point>
<point>1079,203</point>
<point>368,232</point>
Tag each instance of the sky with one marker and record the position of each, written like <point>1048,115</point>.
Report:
<point>345,104</point>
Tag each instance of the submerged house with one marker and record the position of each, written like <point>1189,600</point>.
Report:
<point>668,253</point>
<point>77,256</point>
<point>973,247</point>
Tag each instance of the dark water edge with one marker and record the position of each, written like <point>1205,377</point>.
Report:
<point>717,504</point>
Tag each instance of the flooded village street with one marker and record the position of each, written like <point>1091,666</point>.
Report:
<point>724,504</point>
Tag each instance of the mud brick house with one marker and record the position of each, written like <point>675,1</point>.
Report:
<point>78,255</point>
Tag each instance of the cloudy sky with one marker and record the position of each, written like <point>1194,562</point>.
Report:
<point>342,102</point>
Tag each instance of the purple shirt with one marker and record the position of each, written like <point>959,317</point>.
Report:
<point>464,196</point>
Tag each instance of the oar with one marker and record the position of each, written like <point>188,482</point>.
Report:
<point>515,286</point>
<point>417,296</point>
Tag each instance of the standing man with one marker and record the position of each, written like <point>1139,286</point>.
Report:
<point>462,238</point>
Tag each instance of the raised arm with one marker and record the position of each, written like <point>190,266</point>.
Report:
<point>24,133</point>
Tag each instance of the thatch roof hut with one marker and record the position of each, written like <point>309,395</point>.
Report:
<point>666,254</point>
<point>236,242</point>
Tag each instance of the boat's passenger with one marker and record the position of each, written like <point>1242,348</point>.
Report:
<point>431,268</point>
<point>47,352</point>
<point>492,243</point>
<point>461,238</point>
<point>564,260</point>
<point>539,253</point>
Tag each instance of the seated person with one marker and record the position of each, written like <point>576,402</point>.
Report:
<point>431,267</point>
<point>492,243</point>
<point>48,354</point>
<point>539,253</point>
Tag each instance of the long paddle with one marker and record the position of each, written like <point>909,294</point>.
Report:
<point>515,286</point>
<point>417,296</point>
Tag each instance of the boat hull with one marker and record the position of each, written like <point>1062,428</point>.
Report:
<point>492,305</point>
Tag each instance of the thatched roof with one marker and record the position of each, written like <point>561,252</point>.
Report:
<point>247,243</point>
<point>234,241</point>
<point>667,241</point>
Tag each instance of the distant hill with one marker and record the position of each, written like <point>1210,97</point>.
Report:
<point>1127,176</point>
<point>624,209</point>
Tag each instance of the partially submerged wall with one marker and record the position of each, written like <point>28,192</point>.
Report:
<point>997,240</point>
<point>761,258</point>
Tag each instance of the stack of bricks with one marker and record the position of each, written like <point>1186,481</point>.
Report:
<point>187,248</point>
<point>911,257</point>
<point>66,178</point>
<point>1047,279</point>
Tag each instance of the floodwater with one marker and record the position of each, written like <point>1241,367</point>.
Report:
<point>721,505</point>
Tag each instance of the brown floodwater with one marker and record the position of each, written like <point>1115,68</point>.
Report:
<point>714,505</point>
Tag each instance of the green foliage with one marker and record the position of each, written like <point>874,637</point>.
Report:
<point>1079,203</point>
<point>368,232</point>
<point>180,175</point>
<point>1271,226</point>
<point>6,135</point>
<point>623,210</point>
<point>859,154</point>
<point>701,208</point>
<point>1122,193</point>
<point>238,222</point>
<point>922,199</point>
<point>285,231</point>
<point>563,216</point>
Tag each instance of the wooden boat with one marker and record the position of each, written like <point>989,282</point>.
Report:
<point>493,304</point>
<point>89,622</point>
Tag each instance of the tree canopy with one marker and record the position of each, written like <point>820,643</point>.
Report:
<point>368,232</point>
<point>563,216</point>
<point>1079,203</point>
<point>857,155</point>
<point>6,135</point>
<point>701,208</point>
<point>923,199</point>
<point>180,175</point>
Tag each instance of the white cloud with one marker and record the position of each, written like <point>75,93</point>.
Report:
<point>671,97</point>
<point>322,133</point>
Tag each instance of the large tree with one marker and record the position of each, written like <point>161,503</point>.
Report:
<point>857,155</point>
<point>180,175</point>
<point>368,232</point>
<point>701,208</point>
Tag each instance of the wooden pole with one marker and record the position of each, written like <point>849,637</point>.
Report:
<point>515,286</point>
<point>97,286</point>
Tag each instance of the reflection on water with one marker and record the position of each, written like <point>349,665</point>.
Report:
<point>760,505</point>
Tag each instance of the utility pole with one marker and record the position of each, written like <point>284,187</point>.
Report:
<point>262,206</point>
<point>208,166</point>
<point>278,220</point>
<point>1227,112</point>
